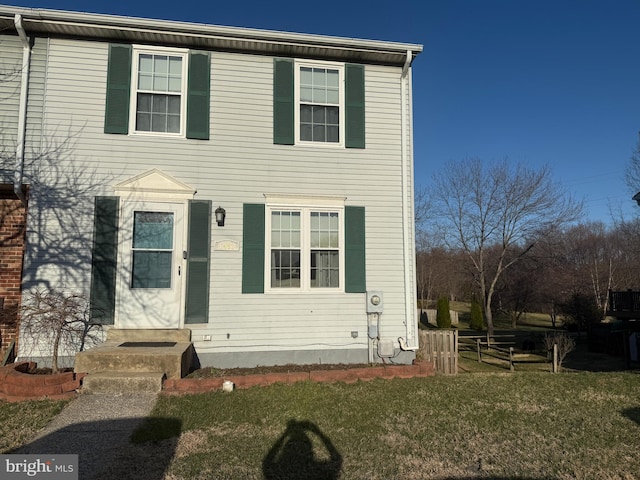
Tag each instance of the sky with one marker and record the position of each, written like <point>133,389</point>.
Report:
<point>544,82</point>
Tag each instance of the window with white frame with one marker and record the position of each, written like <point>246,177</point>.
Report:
<point>320,102</point>
<point>159,86</point>
<point>306,250</point>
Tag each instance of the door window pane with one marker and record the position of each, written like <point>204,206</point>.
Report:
<point>152,249</point>
<point>153,230</point>
<point>151,269</point>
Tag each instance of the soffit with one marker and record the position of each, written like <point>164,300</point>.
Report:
<point>200,36</point>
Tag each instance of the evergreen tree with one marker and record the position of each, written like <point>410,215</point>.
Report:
<point>443,318</point>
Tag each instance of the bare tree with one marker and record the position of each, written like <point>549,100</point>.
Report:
<point>632,172</point>
<point>502,208</point>
<point>62,318</point>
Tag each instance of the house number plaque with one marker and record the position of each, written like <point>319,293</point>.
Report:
<point>226,245</point>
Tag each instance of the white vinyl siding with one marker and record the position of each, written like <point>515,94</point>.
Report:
<point>240,164</point>
<point>10,80</point>
<point>10,86</point>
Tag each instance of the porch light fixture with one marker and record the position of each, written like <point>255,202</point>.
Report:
<point>220,214</point>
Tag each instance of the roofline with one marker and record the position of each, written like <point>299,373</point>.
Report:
<point>120,28</point>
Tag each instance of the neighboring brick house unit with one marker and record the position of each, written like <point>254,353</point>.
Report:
<point>12,236</point>
<point>255,187</point>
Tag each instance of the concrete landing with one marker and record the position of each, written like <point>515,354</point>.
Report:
<point>110,357</point>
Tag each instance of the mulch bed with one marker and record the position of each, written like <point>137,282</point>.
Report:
<point>211,372</point>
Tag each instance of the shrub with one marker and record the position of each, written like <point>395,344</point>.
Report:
<point>53,320</point>
<point>477,319</point>
<point>580,311</point>
<point>565,344</point>
<point>443,317</point>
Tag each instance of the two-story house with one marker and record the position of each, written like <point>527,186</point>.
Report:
<point>255,187</point>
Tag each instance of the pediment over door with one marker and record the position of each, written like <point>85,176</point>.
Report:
<point>154,184</point>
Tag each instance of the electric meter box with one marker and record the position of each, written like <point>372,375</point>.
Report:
<point>375,302</point>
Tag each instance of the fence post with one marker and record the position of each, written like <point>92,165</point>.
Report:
<point>555,358</point>
<point>455,348</point>
<point>479,353</point>
<point>511,359</point>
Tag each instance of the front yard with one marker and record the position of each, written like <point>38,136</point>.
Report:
<point>525,425</point>
<point>521,425</point>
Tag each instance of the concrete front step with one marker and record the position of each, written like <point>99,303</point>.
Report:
<point>151,351</point>
<point>173,361</point>
<point>123,382</point>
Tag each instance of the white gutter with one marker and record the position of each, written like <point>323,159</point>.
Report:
<point>22,112</point>
<point>150,30</point>
<point>408,227</point>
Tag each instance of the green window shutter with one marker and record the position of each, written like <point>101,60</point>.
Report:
<point>355,274</point>
<point>283,108</point>
<point>253,248</point>
<point>354,103</point>
<point>198,91</point>
<point>116,114</point>
<point>198,263</point>
<point>104,256</point>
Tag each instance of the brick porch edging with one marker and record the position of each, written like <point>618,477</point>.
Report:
<point>16,385</point>
<point>181,386</point>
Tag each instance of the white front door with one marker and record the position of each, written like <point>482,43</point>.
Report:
<point>150,287</point>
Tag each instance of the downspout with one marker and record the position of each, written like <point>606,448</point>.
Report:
<point>22,112</point>
<point>407,225</point>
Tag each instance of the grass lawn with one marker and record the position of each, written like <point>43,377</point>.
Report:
<point>20,421</point>
<point>512,425</point>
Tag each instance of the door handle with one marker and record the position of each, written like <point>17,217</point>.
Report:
<point>178,270</point>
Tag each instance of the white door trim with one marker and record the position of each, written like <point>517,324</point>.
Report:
<point>124,260</point>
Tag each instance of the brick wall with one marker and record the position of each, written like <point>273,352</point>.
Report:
<point>12,244</point>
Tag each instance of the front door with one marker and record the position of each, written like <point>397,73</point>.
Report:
<point>150,289</point>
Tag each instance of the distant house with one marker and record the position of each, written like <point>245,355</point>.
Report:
<point>255,187</point>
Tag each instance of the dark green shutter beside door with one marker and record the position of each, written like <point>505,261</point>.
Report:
<point>354,103</point>
<point>104,256</point>
<point>355,263</point>
<point>198,102</point>
<point>198,263</point>
<point>253,248</point>
<point>283,107</point>
<point>116,115</point>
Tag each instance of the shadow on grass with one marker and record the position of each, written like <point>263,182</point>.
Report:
<point>292,456</point>
<point>104,449</point>
<point>633,414</point>
<point>581,359</point>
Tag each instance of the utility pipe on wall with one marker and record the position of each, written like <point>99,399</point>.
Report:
<point>22,112</point>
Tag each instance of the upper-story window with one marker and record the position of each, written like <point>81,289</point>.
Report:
<point>158,105</point>
<point>157,91</point>
<point>320,103</point>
